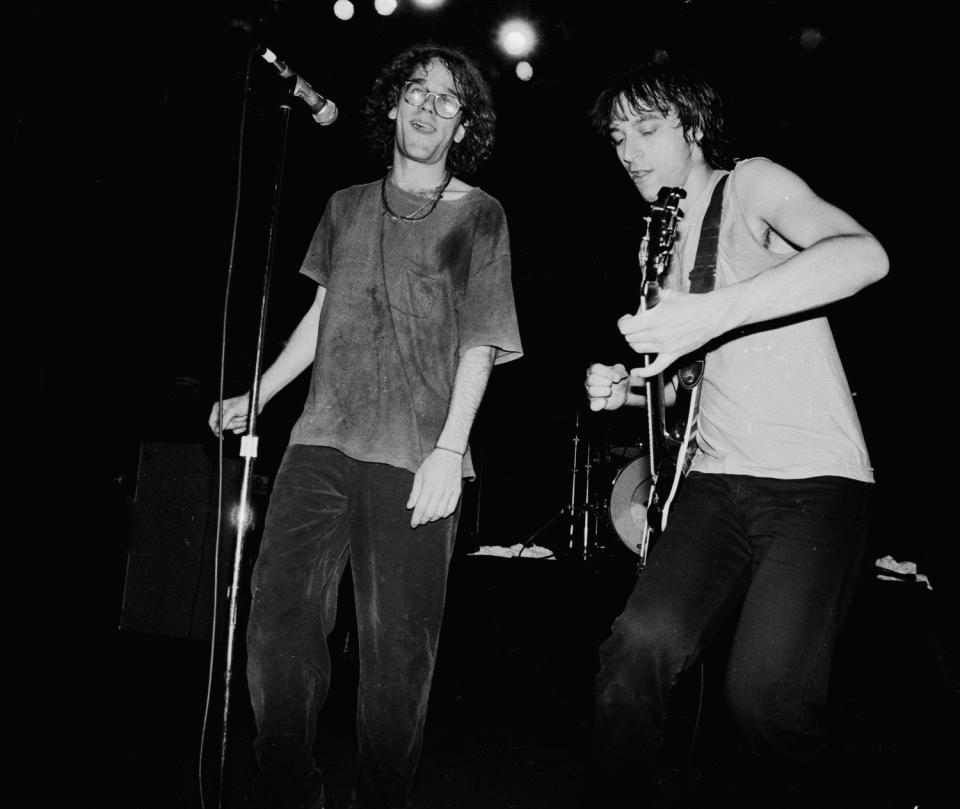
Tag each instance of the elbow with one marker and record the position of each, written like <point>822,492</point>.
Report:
<point>865,261</point>
<point>876,261</point>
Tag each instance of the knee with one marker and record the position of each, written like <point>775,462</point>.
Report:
<point>262,643</point>
<point>271,626</point>
<point>651,636</point>
<point>639,647</point>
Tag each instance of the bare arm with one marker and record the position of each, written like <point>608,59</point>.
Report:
<point>438,481</point>
<point>296,356</point>
<point>837,257</point>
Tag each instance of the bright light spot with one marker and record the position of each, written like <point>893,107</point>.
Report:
<point>343,9</point>
<point>524,70</point>
<point>517,37</point>
<point>238,513</point>
<point>385,7</point>
<point>811,38</point>
<point>428,3</point>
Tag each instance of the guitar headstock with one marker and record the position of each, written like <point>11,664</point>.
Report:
<point>657,243</point>
<point>665,216</point>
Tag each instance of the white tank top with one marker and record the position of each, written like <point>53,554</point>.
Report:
<point>775,399</point>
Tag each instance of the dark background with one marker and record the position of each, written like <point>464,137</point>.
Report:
<point>122,184</point>
<point>124,178</point>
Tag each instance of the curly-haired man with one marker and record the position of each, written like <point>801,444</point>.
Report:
<point>414,307</point>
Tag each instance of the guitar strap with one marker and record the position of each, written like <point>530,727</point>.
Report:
<point>703,276</point>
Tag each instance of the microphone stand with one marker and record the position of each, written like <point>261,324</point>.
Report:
<point>248,449</point>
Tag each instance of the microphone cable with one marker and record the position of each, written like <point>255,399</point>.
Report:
<point>244,109</point>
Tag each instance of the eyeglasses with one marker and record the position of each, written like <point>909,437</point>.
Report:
<point>445,105</point>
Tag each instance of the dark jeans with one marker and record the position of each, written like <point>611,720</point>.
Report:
<point>326,509</point>
<point>788,553</point>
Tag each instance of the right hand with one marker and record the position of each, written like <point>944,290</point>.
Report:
<point>235,412</point>
<point>607,386</point>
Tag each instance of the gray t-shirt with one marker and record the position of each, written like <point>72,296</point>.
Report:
<point>403,301</point>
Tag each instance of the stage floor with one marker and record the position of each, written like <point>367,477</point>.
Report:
<point>511,698</point>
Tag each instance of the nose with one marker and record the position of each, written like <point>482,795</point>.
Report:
<point>630,148</point>
<point>432,98</point>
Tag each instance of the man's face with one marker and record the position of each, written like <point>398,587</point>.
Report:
<point>423,135</point>
<point>652,148</point>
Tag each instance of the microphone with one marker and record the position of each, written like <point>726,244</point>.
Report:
<point>324,110</point>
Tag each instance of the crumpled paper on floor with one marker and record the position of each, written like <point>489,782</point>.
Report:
<point>900,571</point>
<point>532,552</point>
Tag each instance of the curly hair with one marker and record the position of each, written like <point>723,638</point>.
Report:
<point>666,89</point>
<point>477,113</point>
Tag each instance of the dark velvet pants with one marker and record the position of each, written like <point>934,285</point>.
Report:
<point>326,509</point>
<point>788,553</point>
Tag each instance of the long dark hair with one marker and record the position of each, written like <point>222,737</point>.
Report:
<point>477,113</point>
<point>666,89</point>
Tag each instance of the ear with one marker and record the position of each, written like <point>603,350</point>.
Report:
<point>460,134</point>
<point>392,115</point>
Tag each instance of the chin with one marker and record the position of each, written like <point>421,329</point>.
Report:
<point>648,196</point>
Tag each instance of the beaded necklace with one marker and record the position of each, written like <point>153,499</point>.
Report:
<point>432,202</point>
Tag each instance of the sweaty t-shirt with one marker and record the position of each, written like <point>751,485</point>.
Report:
<point>403,301</point>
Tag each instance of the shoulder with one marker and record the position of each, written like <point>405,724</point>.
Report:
<point>456,189</point>
<point>353,193</point>
<point>773,198</point>
<point>459,190</point>
<point>762,177</point>
<point>475,203</point>
<point>766,191</point>
<point>352,198</point>
<point>484,202</point>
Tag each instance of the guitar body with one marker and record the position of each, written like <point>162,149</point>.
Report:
<point>674,458</point>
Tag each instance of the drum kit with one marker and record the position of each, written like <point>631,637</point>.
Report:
<point>610,480</point>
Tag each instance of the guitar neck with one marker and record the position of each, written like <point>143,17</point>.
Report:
<point>655,390</point>
<point>657,434</point>
<point>656,248</point>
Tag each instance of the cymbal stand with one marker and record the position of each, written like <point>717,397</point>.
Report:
<point>582,519</point>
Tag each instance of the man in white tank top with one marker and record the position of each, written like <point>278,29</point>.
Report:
<point>771,519</point>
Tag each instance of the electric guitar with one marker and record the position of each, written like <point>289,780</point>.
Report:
<point>669,442</point>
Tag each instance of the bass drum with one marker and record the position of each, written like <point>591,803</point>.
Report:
<point>628,502</point>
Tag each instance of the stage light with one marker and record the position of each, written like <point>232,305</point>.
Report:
<point>385,7</point>
<point>343,9</point>
<point>428,3</point>
<point>517,37</point>
<point>524,70</point>
<point>811,38</point>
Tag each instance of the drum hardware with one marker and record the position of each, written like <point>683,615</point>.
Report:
<point>627,507</point>
<point>581,513</point>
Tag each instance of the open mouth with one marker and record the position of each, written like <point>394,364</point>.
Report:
<point>421,126</point>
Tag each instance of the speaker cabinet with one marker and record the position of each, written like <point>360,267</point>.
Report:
<point>171,555</point>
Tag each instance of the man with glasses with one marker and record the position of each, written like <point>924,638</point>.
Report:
<point>414,307</point>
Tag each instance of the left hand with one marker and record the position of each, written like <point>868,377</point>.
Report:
<point>436,487</point>
<point>676,326</point>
